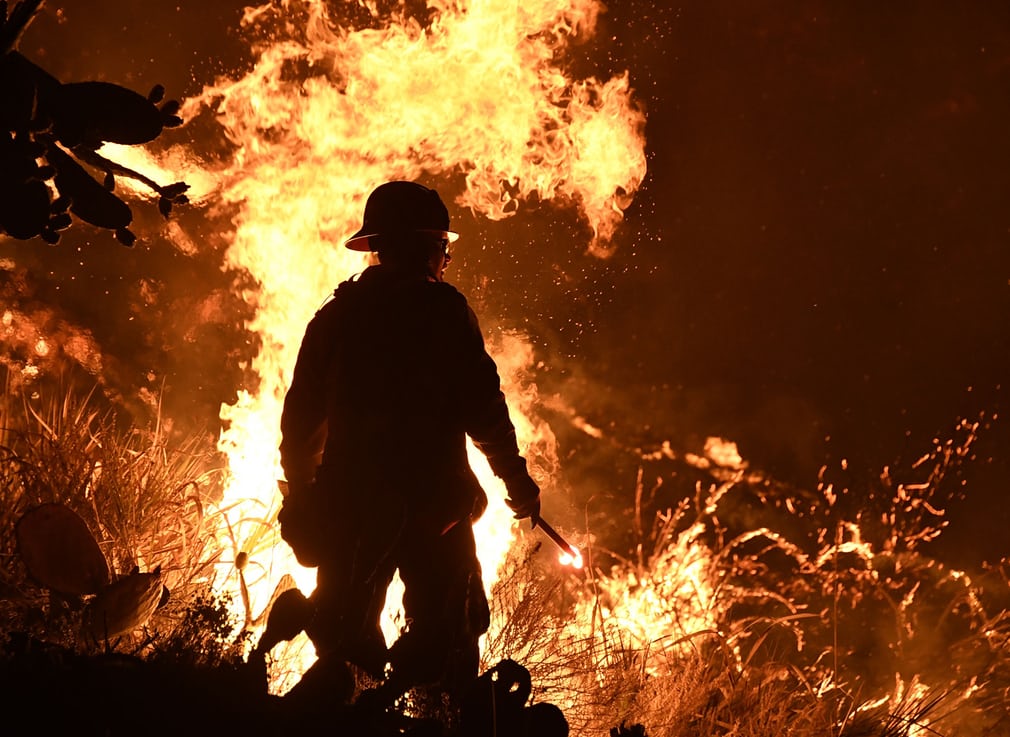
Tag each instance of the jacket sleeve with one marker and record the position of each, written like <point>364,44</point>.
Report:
<point>303,418</point>
<point>486,414</point>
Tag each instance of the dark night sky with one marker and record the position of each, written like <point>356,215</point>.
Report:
<point>821,247</point>
<point>828,182</point>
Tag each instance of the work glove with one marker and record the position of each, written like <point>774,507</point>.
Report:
<point>303,527</point>
<point>523,497</point>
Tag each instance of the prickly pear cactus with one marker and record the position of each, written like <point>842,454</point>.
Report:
<point>124,605</point>
<point>60,552</point>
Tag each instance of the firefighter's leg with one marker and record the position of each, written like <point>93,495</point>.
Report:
<point>445,609</point>
<point>349,597</point>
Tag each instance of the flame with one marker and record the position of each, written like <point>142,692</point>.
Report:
<point>667,602</point>
<point>573,559</point>
<point>329,112</point>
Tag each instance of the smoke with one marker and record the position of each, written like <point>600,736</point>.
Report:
<point>159,332</point>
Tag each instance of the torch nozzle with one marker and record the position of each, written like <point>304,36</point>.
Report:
<point>570,555</point>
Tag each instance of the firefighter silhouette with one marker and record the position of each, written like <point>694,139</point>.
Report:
<point>391,378</point>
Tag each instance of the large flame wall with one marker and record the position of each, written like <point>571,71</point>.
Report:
<point>476,100</point>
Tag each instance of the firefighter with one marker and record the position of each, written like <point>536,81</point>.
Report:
<point>391,377</point>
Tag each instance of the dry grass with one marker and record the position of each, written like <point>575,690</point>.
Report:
<point>811,617</point>
<point>144,501</point>
<point>747,610</point>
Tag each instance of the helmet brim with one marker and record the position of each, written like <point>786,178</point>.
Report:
<point>360,240</point>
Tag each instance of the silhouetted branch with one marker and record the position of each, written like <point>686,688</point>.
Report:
<point>13,25</point>
<point>171,194</point>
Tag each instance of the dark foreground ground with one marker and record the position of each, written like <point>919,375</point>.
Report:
<point>47,690</point>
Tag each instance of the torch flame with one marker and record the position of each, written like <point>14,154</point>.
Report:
<point>570,555</point>
<point>573,559</point>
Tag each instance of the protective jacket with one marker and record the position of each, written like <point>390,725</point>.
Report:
<point>391,377</point>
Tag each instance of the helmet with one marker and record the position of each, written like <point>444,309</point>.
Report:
<point>397,208</point>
